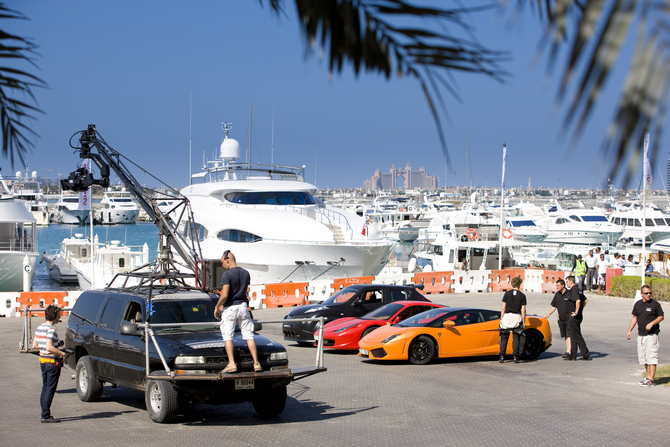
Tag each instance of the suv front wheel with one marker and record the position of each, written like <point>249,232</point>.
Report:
<point>272,403</point>
<point>162,400</point>
<point>89,387</point>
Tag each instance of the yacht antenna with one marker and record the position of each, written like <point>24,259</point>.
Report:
<point>249,142</point>
<point>272,145</point>
<point>190,121</point>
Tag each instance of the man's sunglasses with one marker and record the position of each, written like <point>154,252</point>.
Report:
<point>225,254</point>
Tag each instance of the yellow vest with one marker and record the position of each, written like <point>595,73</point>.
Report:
<point>580,268</point>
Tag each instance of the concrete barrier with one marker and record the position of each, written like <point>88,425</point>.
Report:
<point>8,302</point>
<point>434,282</point>
<point>320,290</point>
<point>256,297</point>
<point>401,279</point>
<point>534,280</point>
<point>286,294</point>
<point>471,281</point>
<point>549,278</point>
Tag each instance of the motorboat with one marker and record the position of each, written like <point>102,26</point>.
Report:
<point>268,216</point>
<point>109,260</point>
<point>18,242</point>
<point>118,207</point>
<point>630,215</point>
<point>68,211</point>
<point>61,262</point>
<point>28,189</point>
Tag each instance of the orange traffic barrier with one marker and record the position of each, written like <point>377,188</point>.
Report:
<point>37,300</point>
<point>286,294</point>
<point>549,278</point>
<point>501,280</point>
<point>341,283</point>
<point>434,282</point>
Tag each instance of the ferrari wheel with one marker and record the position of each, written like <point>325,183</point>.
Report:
<point>368,330</point>
<point>421,350</point>
<point>534,345</point>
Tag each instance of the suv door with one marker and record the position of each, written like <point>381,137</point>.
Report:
<point>102,345</point>
<point>129,359</point>
<point>368,300</point>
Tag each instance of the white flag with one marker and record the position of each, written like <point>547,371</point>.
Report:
<point>647,165</point>
<point>85,196</point>
<point>503,172</point>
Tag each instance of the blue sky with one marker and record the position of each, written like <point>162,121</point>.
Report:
<point>130,66</point>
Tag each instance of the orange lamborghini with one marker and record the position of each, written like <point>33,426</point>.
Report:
<point>450,332</point>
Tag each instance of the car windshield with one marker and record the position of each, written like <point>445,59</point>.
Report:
<point>340,297</point>
<point>186,311</point>
<point>426,318</point>
<point>384,312</point>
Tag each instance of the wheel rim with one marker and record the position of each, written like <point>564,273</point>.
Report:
<point>533,345</point>
<point>83,380</point>
<point>156,398</point>
<point>421,350</point>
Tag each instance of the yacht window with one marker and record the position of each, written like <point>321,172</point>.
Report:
<point>122,262</point>
<point>616,221</point>
<point>522,223</point>
<point>575,218</point>
<point>285,198</point>
<point>594,218</point>
<point>198,231</point>
<point>269,198</point>
<point>667,220</point>
<point>451,255</point>
<point>437,249</point>
<point>631,222</point>
<point>238,236</point>
<point>649,222</point>
<point>83,252</point>
<point>660,222</point>
<point>637,222</point>
<point>562,220</point>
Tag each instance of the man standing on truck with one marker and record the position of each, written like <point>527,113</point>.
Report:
<point>235,305</point>
<point>51,359</point>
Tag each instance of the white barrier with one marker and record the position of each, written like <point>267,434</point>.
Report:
<point>533,281</point>
<point>8,303</point>
<point>320,290</point>
<point>471,281</point>
<point>256,297</point>
<point>398,278</point>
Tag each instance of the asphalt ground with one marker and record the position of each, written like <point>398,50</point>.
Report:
<point>470,402</point>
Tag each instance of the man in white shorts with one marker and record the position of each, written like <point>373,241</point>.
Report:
<point>235,305</point>
<point>647,314</point>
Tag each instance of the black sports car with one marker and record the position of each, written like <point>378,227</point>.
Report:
<point>352,301</point>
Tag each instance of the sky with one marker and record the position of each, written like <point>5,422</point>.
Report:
<point>159,76</point>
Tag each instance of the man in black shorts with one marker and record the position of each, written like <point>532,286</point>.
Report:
<point>512,318</point>
<point>577,303</point>
<point>562,303</point>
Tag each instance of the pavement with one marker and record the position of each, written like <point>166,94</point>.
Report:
<point>467,402</point>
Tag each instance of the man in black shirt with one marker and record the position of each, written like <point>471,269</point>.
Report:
<point>647,314</point>
<point>512,318</point>
<point>562,303</point>
<point>577,303</point>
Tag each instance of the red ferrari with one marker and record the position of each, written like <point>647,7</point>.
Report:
<point>345,333</point>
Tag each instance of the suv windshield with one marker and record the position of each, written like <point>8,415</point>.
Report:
<point>340,297</point>
<point>186,311</point>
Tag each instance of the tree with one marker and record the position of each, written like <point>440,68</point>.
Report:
<point>13,111</point>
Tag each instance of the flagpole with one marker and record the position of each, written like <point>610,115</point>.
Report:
<point>646,183</point>
<point>502,207</point>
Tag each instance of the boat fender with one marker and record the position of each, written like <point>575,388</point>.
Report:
<point>42,257</point>
<point>428,268</point>
<point>411,267</point>
<point>53,264</point>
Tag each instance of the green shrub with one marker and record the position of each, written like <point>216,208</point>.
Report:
<point>627,287</point>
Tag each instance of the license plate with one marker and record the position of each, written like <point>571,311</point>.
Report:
<point>244,384</point>
<point>363,352</point>
<point>287,325</point>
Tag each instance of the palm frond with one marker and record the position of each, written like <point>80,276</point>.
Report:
<point>16,135</point>
<point>366,35</point>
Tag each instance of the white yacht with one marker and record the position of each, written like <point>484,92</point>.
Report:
<point>118,207</point>
<point>28,189</point>
<point>268,217</point>
<point>67,211</point>
<point>630,214</point>
<point>17,240</point>
<point>61,262</point>
<point>109,260</point>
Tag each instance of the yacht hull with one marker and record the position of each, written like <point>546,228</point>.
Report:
<point>11,269</point>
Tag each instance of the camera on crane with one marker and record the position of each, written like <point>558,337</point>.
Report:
<point>81,180</point>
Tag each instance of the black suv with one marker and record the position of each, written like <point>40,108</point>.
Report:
<point>352,301</point>
<point>108,346</point>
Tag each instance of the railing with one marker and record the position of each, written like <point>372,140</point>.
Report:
<point>18,244</point>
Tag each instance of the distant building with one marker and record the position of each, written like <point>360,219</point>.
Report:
<point>412,179</point>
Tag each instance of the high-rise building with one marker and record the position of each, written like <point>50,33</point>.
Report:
<point>402,178</point>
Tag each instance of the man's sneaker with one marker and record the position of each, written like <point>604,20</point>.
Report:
<point>647,382</point>
<point>586,357</point>
<point>566,355</point>
<point>516,359</point>
<point>502,359</point>
<point>230,368</point>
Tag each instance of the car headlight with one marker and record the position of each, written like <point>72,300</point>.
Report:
<point>190,360</point>
<point>279,356</point>
<point>386,340</point>
<point>337,331</point>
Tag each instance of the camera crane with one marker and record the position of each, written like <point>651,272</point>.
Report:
<point>164,268</point>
